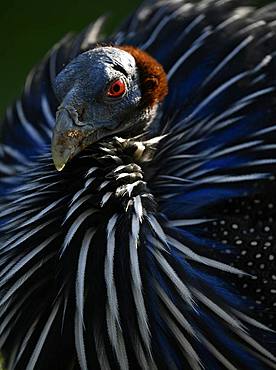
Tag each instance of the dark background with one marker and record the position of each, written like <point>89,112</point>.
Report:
<point>29,28</point>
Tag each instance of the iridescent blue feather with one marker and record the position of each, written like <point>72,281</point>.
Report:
<point>99,273</point>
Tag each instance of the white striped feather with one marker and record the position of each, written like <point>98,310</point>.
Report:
<point>89,182</point>
<point>43,212</point>
<point>263,359</point>
<point>185,168</point>
<point>227,22</point>
<point>156,243</point>
<point>219,90</point>
<point>175,178</point>
<point>32,196</point>
<point>183,289</point>
<point>6,334</point>
<point>189,254</point>
<point>251,97</point>
<point>237,178</point>
<point>237,326</point>
<point>14,221</point>
<point>7,240</point>
<point>100,348</point>
<point>24,344</point>
<point>22,237</point>
<point>231,320</point>
<point>27,89</point>
<point>258,79</point>
<point>50,119</point>
<point>264,131</point>
<point>8,265</point>
<point>80,281</point>
<point>109,279</point>
<point>257,347</point>
<point>45,173</point>
<point>79,342</point>
<point>218,355</point>
<point>189,168</point>
<point>75,226</point>
<point>238,49</point>
<point>12,290</point>
<point>13,355</point>
<point>267,147</point>
<point>137,288</point>
<point>171,143</point>
<point>42,188</point>
<point>188,222</point>
<point>186,347</point>
<point>6,169</point>
<point>234,148</point>
<point>22,347</point>
<point>139,351</point>
<point>160,26</point>
<point>74,206</point>
<point>112,311</point>
<point>6,324</point>
<point>77,195</point>
<point>102,185</point>
<point>37,350</point>
<point>28,188</point>
<point>28,126</point>
<point>91,171</point>
<point>105,198</point>
<point>251,321</point>
<point>209,123</point>
<point>259,162</point>
<point>138,207</point>
<point>252,27</point>
<point>26,259</point>
<point>216,125</point>
<point>157,228</point>
<point>197,20</point>
<point>175,311</point>
<point>53,61</point>
<point>194,47</point>
<point>13,320</point>
<point>93,33</point>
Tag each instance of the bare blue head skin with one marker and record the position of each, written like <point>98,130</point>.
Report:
<point>86,112</point>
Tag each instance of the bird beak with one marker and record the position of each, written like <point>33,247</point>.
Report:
<point>68,139</point>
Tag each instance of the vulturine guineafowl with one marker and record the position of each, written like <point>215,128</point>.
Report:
<point>138,196</point>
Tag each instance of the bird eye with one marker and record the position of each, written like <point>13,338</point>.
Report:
<point>116,89</point>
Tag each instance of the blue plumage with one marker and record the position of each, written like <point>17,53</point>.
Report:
<point>152,248</point>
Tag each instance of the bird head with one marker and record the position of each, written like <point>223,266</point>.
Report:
<point>104,92</point>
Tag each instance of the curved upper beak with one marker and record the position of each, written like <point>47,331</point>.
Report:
<point>68,138</point>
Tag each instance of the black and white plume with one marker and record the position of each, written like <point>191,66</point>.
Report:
<point>138,196</point>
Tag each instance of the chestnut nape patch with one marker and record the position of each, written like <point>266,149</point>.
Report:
<point>153,79</point>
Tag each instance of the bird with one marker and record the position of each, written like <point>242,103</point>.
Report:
<point>137,182</point>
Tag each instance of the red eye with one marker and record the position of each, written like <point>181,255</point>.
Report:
<point>116,89</point>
